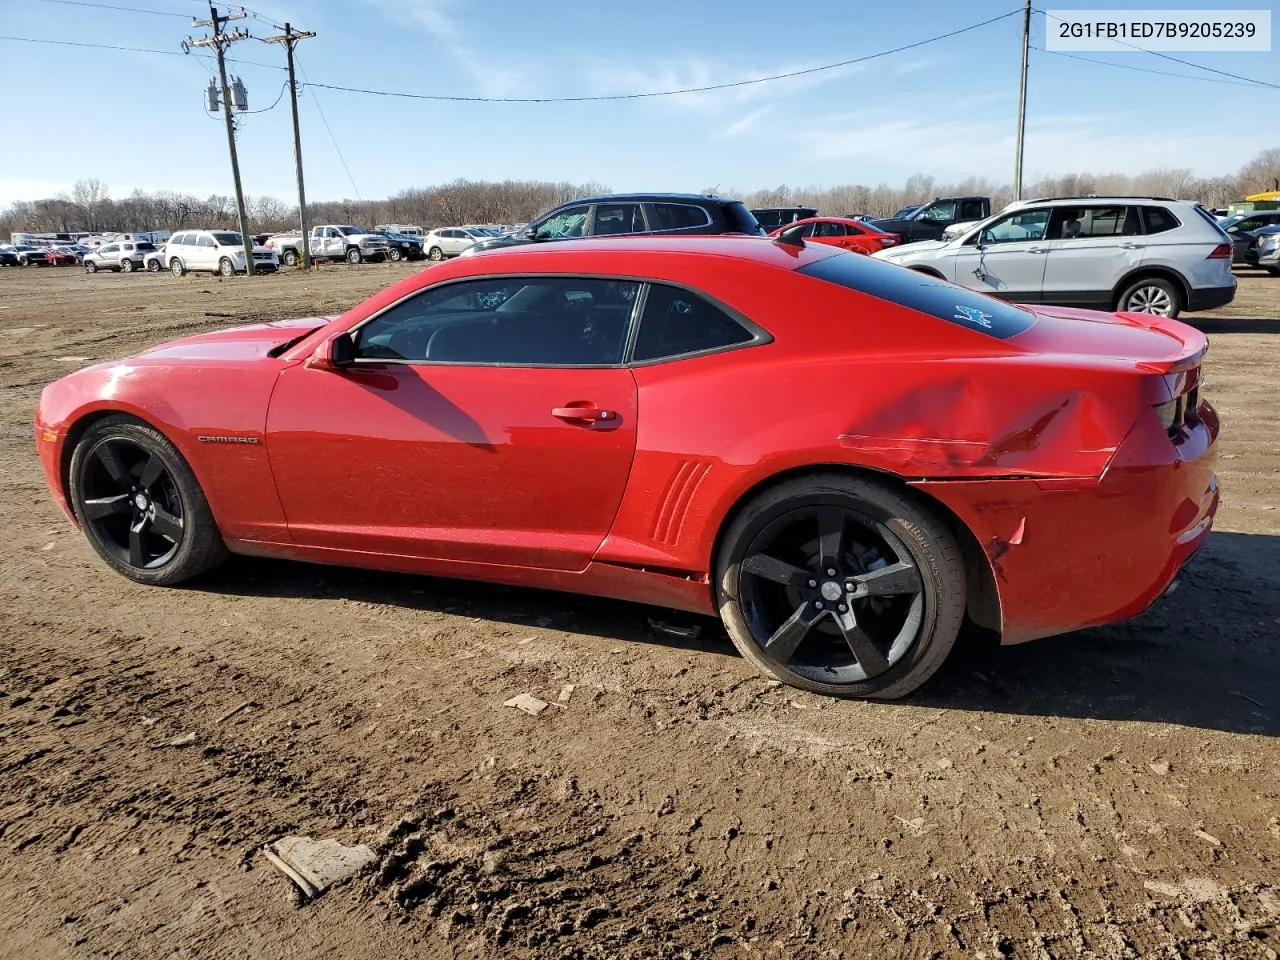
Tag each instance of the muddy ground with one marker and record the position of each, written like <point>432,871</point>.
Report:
<point>1115,793</point>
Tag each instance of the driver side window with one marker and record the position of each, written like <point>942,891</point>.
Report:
<point>945,210</point>
<point>530,321</point>
<point>565,224</point>
<point>1017,227</point>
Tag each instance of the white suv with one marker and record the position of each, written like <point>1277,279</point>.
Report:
<point>451,241</point>
<point>1136,254</point>
<point>218,251</point>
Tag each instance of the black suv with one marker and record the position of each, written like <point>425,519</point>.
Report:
<point>629,214</point>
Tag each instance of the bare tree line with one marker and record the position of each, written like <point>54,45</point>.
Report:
<point>89,205</point>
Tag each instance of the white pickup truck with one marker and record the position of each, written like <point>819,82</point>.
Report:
<point>331,242</point>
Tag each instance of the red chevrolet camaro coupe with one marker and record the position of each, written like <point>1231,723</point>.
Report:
<point>842,458</point>
<point>843,232</point>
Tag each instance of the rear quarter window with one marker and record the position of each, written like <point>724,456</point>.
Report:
<point>922,293</point>
<point>679,216</point>
<point>1158,219</point>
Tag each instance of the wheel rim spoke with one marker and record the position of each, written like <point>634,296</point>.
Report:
<point>165,523</point>
<point>893,580</point>
<point>99,507</point>
<point>781,647</point>
<point>863,648</point>
<point>136,557</point>
<point>119,473</point>
<point>776,570</point>
<point>831,537</point>
<point>151,472</point>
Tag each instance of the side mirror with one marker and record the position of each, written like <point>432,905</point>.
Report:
<point>793,237</point>
<point>336,353</point>
<point>531,234</point>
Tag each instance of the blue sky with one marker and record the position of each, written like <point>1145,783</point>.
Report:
<point>946,109</point>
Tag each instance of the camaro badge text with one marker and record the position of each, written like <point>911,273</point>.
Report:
<point>216,438</point>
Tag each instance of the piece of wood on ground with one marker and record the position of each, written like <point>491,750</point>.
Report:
<point>316,865</point>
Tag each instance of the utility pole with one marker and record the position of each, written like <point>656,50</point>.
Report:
<point>1022,104</point>
<point>289,38</point>
<point>220,41</point>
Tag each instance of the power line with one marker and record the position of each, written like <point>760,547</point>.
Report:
<point>108,6</point>
<point>670,93</point>
<point>1158,73</point>
<point>1185,63</point>
<point>111,46</point>
<point>283,88</point>
<point>325,120</point>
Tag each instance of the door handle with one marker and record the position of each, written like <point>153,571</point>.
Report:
<point>1130,246</point>
<point>583,412</point>
<point>1037,249</point>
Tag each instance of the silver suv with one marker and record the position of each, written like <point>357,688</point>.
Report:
<point>119,255</point>
<point>1135,254</point>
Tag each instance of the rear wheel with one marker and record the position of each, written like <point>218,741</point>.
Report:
<point>140,505</point>
<point>290,258</point>
<point>841,586</point>
<point>436,254</point>
<point>1153,295</point>
<point>354,255</point>
<point>126,265</point>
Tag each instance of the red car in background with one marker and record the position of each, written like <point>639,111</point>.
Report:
<point>843,459</point>
<point>843,232</point>
<point>62,256</point>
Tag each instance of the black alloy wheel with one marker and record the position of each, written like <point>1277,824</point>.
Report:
<point>842,586</point>
<point>140,505</point>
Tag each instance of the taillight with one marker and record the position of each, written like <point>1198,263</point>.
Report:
<point>1222,251</point>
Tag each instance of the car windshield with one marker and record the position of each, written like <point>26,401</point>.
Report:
<point>225,238</point>
<point>349,231</point>
<point>906,212</point>
<point>24,246</point>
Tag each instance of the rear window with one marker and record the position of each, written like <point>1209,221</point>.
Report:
<point>922,293</point>
<point>1158,219</point>
<point>741,220</point>
<point>676,216</point>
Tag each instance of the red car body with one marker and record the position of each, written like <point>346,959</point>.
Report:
<point>60,258</point>
<point>1075,502</point>
<point>843,232</point>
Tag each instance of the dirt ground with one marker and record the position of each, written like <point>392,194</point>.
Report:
<point>1114,793</point>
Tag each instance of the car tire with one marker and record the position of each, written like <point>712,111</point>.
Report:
<point>436,255</point>
<point>394,255</point>
<point>1154,295</point>
<point>153,266</point>
<point>862,632</point>
<point>290,258</point>
<point>226,268</point>
<point>90,267</point>
<point>160,532</point>
<point>177,267</point>
<point>24,260</point>
<point>354,255</point>
<point>126,265</point>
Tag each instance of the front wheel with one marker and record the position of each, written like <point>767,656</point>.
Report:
<point>140,505</point>
<point>354,255</point>
<point>290,258</point>
<point>226,267</point>
<point>176,267</point>
<point>1152,295</point>
<point>90,267</point>
<point>394,255</point>
<point>153,266</point>
<point>841,586</point>
<point>24,261</point>
<point>436,254</point>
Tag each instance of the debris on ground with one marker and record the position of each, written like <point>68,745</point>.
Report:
<point>316,865</point>
<point>185,740</point>
<point>690,631</point>
<point>566,692</point>
<point>528,703</point>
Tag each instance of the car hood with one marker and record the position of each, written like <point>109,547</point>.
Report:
<point>237,343</point>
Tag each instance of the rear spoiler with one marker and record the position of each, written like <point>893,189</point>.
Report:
<point>1195,344</point>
